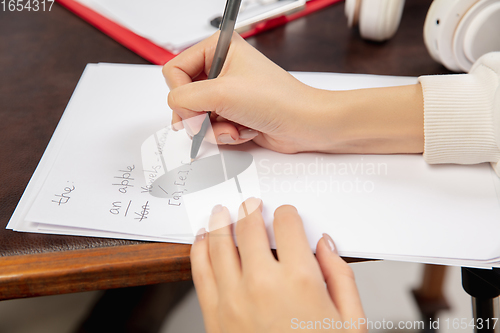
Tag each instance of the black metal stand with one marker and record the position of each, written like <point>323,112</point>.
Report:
<point>483,285</point>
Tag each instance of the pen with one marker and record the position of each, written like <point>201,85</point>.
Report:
<point>226,32</point>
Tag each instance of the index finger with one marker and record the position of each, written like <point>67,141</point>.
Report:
<point>189,64</point>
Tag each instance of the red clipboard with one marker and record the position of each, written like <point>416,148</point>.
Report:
<point>158,55</point>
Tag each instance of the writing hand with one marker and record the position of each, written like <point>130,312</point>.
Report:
<point>252,98</point>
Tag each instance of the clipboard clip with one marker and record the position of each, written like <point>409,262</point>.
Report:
<point>216,22</point>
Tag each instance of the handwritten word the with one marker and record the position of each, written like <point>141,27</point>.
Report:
<point>64,197</point>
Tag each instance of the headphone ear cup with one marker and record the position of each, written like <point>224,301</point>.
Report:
<point>477,33</point>
<point>440,25</point>
<point>379,19</point>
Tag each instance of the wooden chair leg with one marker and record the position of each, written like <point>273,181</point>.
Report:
<point>429,296</point>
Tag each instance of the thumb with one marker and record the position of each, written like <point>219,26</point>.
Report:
<point>339,279</point>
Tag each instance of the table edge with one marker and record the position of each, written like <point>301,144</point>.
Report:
<point>93,269</point>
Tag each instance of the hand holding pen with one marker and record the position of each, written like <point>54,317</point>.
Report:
<point>255,99</point>
<point>252,98</point>
<point>247,98</point>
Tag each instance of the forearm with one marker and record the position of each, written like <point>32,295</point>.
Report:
<point>370,121</point>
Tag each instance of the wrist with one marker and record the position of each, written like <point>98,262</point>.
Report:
<point>367,121</point>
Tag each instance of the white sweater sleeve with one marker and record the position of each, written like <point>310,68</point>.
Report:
<point>462,115</point>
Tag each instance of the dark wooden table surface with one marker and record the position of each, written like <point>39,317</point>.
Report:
<point>43,54</point>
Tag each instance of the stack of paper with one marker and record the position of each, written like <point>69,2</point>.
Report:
<point>113,146</point>
<point>176,25</point>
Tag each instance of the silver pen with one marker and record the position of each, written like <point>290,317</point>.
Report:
<point>226,33</point>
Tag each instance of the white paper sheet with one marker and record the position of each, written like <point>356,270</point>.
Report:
<point>374,206</point>
<point>98,181</point>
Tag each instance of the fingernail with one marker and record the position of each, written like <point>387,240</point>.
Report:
<point>219,218</point>
<point>248,207</point>
<point>217,209</point>
<point>177,126</point>
<point>330,243</point>
<point>200,235</point>
<point>248,133</point>
<point>225,138</point>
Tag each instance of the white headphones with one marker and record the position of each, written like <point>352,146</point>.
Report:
<point>456,32</point>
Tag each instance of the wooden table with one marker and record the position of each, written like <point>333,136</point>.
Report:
<point>42,56</point>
